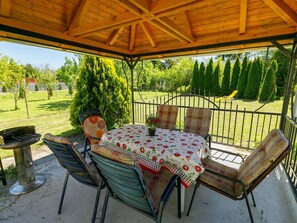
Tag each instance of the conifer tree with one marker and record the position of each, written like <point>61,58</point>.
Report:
<point>208,77</point>
<point>201,78</point>
<point>242,78</point>
<point>235,75</point>
<point>216,90</point>
<point>194,84</point>
<point>99,87</point>
<point>268,88</point>
<point>254,80</point>
<point>226,78</point>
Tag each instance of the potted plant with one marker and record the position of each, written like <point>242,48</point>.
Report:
<point>152,122</point>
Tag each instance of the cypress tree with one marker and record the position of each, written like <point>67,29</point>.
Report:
<point>99,87</point>
<point>254,80</point>
<point>216,90</point>
<point>208,77</point>
<point>201,78</point>
<point>194,84</point>
<point>268,88</point>
<point>226,78</point>
<point>242,78</point>
<point>235,75</point>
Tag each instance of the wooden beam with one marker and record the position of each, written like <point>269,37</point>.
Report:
<point>80,14</point>
<point>132,37</point>
<point>284,11</point>
<point>5,7</point>
<point>282,49</point>
<point>131,7</point>
<point>144,5</point>
<point>148,34</point>
<point>114,36</point>
<point>188,24</point>
<point>242,17</point>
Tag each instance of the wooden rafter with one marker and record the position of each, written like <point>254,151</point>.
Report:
<point>80,14</point>
<point>5,8</point>
<point>188,24</point>
<point>114,36</point>
<point>242,17</point>
<point>148,34</point>
<point>132,37</point>
<point>284,11</point>
<point>144,5</point>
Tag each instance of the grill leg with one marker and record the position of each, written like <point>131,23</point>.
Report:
<point>63,192</point>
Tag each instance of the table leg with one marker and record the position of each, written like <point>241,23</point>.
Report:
<point>183,191</point>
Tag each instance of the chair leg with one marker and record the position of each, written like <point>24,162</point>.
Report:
<point>160,214</point>
<point>248,206</point>
<point>63,192</point>
<point>192,199</point>
<point>2,173</point>
<point>96,204</point>
<point>253,199</point>
<point>104,207</point>
<point>178,197</point>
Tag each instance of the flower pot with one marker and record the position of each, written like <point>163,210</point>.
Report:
<point>152,131</point>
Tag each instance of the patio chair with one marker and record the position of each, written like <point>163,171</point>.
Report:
<point>238,183</point>
<point>94,127</point>
<point>2,175</point>
<point>198,121</point>
<point>69,158</point>
<point>229,97</point>
<point>167,115</point>
<point>127,183</point>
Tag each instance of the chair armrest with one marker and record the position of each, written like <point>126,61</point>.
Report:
<point>170,186</point>
<point>225,177</point>
<point>231,153</point>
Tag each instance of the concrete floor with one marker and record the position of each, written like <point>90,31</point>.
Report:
<point>274,199</point>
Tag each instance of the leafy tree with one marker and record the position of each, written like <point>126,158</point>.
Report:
<point>208,77</point>
<point>231,56</point>
<point>68,73</point>
<point>243,78</point>
<point>216,90</point>
<point>282,72</point>
<point>235,75</point>
<point>254,80</point>
<point>47,78</point>
<point>268,88</point>
<point>201,78</point>
<point>226,78</point>
<point>99,87</point>
<point>195,77</point>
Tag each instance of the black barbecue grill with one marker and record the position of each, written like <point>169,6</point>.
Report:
<point>19,139</point>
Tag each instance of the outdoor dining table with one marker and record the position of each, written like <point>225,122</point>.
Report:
<point>179,152</point>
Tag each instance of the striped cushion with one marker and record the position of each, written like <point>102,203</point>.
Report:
<point>167,115</point>
<point>216,181</point>
<point>156,184</point>
<point>57,139</point>
<point>113,153</point>
<point>198,121</point>
<point>94,126</point>
<point>261,158</point>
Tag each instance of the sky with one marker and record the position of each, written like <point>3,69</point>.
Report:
<point>36,56</point>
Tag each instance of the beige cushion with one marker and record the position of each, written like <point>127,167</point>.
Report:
<point>167,115</point>
<point>57,139</point>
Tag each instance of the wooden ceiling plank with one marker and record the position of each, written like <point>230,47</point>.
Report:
<point>80,14</point>
<point>242,17</point>
<point>131,7</point>
<point>144,5</point>
<point>188,24</point>
<point>114,36</point>
<point>284,11</point>
<point>148,34</point>
<point>132,37</point>
<point>175,28</point>
<point>5,7</point>
<point>162,5</point>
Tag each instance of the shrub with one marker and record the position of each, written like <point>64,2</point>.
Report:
<point>235,75</point>
<point>226,78</point>
<point>254,80</point>
<point>4,89</point>
<point>268,88</point>
<point>99,87</point>
<point>208,77</point>
<point>36,87</point>
<point>60,87</point>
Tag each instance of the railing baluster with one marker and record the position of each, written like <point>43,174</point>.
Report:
<point>243,120</point>
<point>250,133</point>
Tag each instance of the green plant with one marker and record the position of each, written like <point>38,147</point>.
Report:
<point>152,121</point>
<point>201,78</point>
<point>226,78</point>
<point>254,80</point>
<point>216,90</point>
<point>36,87</point>
<point>208,77</point>
<point>194,83</point>
<point>235,75</point>
<point>268,88</point>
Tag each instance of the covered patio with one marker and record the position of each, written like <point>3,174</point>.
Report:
<point>135,30</point>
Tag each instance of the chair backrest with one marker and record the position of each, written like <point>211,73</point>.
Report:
<point>271,151</point>
<point>232,95</point>
<point>198,121</point>
<point>69,158</point>
<point>123,178</point>
<point>93,125</point>
<point>167,115</point>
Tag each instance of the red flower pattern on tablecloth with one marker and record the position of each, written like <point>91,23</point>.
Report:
<point>179,152</point>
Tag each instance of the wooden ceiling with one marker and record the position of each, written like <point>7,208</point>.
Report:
<point>149,28</point>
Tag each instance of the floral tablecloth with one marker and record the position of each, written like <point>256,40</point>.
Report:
<point>180,152</point>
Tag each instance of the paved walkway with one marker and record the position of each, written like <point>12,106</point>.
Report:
<point>275,202</point>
